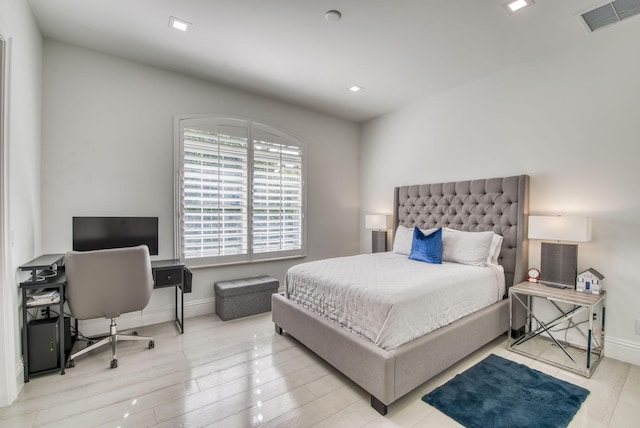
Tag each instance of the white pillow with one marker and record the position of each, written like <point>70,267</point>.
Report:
<point>494,250</point>
<point>404,238</point>
<point>469,248</point>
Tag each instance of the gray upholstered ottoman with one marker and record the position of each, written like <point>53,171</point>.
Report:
<point>244,297</point>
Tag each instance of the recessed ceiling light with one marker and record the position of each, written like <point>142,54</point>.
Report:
<point>179,24</point>
<point>355,88</point>
<point>515,5</point>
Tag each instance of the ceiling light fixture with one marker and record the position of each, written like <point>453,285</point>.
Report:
<point>355,88</point>
<point>179,24</point>
<point>514,5</point>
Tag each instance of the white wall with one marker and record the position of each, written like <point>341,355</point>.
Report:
<point>570,121</point>
<point>22,197</point>
<point>108,150</point>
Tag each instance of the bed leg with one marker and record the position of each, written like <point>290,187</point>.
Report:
<point>516,333</point>
<point>278,329</point>
<point>378,405</point>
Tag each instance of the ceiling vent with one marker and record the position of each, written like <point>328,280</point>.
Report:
<point>611,13</point>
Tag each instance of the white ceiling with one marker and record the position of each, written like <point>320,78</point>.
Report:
<point>398,50</point>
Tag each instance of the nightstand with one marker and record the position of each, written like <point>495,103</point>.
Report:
<point>544,337</point>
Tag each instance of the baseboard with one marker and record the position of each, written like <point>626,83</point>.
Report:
<point>19,374</point>
<point>20,368</point>
<point>623,350</point>
<point>194,308</point>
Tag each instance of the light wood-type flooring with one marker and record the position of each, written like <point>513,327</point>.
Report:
<point>240,373</point>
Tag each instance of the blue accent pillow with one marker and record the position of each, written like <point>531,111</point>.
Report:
<point>426,248</point>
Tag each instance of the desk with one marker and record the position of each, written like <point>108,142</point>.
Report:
<point>32,285</point>
<point>170,273</point>
<point>541,341</point>
<point>166,273</point>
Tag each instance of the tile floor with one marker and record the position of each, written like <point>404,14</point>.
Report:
<point>241,374</point>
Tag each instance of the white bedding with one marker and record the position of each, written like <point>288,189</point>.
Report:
<point>389,299</point>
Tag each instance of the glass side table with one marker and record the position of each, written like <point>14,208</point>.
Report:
<point>540,338</point>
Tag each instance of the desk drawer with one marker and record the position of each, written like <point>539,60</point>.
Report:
<point>169,277</point>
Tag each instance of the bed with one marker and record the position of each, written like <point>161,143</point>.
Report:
<point>389,371</point>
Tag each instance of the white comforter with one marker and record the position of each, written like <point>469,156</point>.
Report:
<point>389,299</point>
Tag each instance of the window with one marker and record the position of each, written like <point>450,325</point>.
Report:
<point>240,192</point>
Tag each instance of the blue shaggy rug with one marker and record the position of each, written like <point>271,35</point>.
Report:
<point>501,393</point>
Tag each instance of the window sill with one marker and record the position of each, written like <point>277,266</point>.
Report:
<point>215,265</point>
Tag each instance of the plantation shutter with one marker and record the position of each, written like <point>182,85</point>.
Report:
<point>215,211</point>
<point>277,193</point>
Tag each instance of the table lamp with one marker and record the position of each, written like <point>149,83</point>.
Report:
<point>558,261</point>
<point>378,224</point>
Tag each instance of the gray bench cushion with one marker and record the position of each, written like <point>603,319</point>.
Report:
<point>246,286</point>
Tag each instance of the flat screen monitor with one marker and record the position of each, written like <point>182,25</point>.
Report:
<point>98,233</point>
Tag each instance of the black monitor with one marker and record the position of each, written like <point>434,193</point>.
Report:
<point>97,233</point>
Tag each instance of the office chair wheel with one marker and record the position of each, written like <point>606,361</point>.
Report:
<point>114,363</point>
<point>152,344</point>
<point>71,364</point>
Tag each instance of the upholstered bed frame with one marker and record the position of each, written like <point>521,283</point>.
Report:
<point>498,204</point>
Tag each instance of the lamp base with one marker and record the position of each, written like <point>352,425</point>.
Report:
<point>378,241</point>
<point>559,265</point>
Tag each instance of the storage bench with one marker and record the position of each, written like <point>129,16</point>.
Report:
<point>244,297</point>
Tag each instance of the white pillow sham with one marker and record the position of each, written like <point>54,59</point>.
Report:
<point>468,248</point>
<point>402,240</point>
<point>494,250</point>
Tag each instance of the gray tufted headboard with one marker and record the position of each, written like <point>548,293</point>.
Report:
<point>498,204</point>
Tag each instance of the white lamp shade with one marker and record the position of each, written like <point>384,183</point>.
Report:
<point>560,228</point>
<point>375,221</point>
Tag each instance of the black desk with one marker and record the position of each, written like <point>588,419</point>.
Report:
<point>170,273</point>
<point>32,285</point>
